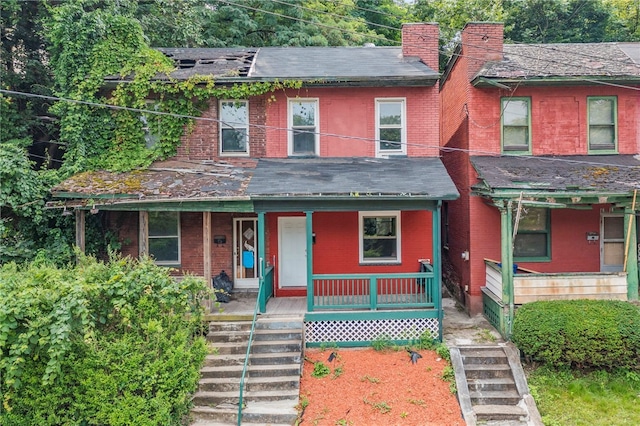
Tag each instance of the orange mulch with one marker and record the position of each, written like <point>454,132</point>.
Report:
<point>367,387</point>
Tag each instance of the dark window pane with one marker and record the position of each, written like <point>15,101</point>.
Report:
<point>163,223</point>
<point>304,142</point>
<point>379,226</point>
<point>534,219</point>
<point>530,245</point>
<point>234,140</point>
<point>390,139</point>
<point>379,248</point>
<point>613,227</point>
<point>164,249</point>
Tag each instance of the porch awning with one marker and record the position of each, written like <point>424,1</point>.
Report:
<point>576,179</point>
<point>347,183</point>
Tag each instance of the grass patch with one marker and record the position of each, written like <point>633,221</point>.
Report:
<point>568,397</point>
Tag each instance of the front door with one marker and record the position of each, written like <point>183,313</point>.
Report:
<point>611,242</point>
<point>245,252</point>
<point>292,247</point>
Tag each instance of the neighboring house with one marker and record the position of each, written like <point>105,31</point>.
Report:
<point>541,141</point>
<point>332,191</point>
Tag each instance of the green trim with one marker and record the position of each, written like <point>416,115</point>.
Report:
<point>632,256</point>
<point>370,315</point>
<point>614,102</point>
<point>503,107</point>
<point>309,229</point>
<point>360,343</point>
<point>360,202</point>
<point>436,234</point>
<point>506,232</point>
<point>264,280</point>
<point>554,81</point>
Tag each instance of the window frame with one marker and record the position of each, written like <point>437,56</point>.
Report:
<point>517,149</point>
<point>172,262</point>
<point>607,150</point>
<point>151,124</point>
<point>546,231</point>
<point>398,237</point>
<point>222,125</point>
<point>381,153</point>
<point>292,129</point>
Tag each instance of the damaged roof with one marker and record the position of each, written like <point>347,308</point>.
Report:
<point>163,180</point>
<point>317,65</point>
<point>612,61</point>
<point>244,179</point>
<point>315,177</point>
<point>580,173</point>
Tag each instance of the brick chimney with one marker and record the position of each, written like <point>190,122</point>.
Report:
<point>482,42</point>
<point>421,40</point>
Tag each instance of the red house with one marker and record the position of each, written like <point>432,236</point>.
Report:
<point>332,191</point>
<point>541,141</point>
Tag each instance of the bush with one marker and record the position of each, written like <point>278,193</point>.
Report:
<point>600,334</point>
<point>111,343</point>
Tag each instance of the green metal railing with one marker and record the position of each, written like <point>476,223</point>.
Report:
<point>264,282</point>
<point>373,291</point>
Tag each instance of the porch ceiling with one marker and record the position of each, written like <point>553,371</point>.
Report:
<point>572,179</point>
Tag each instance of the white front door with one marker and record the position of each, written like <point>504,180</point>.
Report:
<point>611,242</point>
<point>292,248</point>
<point>245,252</point>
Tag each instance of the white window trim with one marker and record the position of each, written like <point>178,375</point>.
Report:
<point>148,237</point>
<point>221,126</point>
<point>403,132</point>
<point>290,125</point>
<point>394,213</point>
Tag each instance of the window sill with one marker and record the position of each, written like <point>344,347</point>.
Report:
<point>381,263</point>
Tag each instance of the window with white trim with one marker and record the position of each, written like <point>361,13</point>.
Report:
<point>516,124</point>
<point>234,127</point>
<point>303,122</point>
<point>379,237</point>
<point>391,131</point>
<point>164,237</point>
<point>602,123</point>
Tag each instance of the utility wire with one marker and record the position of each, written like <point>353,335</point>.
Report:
<point>275,128</point>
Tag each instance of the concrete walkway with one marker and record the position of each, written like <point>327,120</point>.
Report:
<point>459,329</point>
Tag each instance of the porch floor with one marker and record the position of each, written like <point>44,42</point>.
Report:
<point>243,304</point>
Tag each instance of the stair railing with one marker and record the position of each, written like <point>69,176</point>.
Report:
<point>253,327</point>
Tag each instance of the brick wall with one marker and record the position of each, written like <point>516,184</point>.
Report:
<point>421,40</point>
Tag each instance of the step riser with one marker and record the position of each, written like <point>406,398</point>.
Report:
<point>506,417</point>
<point>232,418</point>
<point>249,387</point>
<point>235,336</point>
<point>504,400</point>
<point>212,401</point>
<point>475,360</point>
<point>260,349</point>
<point>491,387</point>
<point>487,374</point>
<point>250,373</point>
<point>225,326</point>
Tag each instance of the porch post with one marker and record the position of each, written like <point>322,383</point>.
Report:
<point>309,261</point>
<point>206,249</point>
<point>437,263</point>
<point>80,229</point>
<point>262,292</point>
<point>143,233</point>
<point>632,255</point>
<point>506,258</point>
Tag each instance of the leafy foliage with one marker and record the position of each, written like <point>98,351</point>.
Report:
<point>580,333</point>
<point>98,343</point>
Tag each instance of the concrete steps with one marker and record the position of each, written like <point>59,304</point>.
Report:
<point>491,386</point>
<point>272,382</point>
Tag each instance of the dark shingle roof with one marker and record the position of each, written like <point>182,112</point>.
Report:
<point>420,177</point>
<point>604,173</point>
<point>319,65</point>
<point>338,63</point>
<point>565,60</point>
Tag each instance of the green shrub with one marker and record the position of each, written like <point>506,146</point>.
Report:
<point>114,343</point>
<point>580,333</point>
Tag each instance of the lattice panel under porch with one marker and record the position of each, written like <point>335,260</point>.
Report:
<point>369,330</point>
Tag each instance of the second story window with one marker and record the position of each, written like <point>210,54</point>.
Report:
<point>516,125</point>
<point>303,122</point>
<point>234,127</point>
<point>602,123</point>
<point>151,125</point>
<point>391,132</point>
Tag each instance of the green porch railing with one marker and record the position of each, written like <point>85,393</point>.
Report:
<point>373,291</point>
<point>266,286</point>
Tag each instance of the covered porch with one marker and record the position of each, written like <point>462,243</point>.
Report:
<point>588,235</point>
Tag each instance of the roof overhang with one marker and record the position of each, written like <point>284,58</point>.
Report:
<point>509,83</point>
